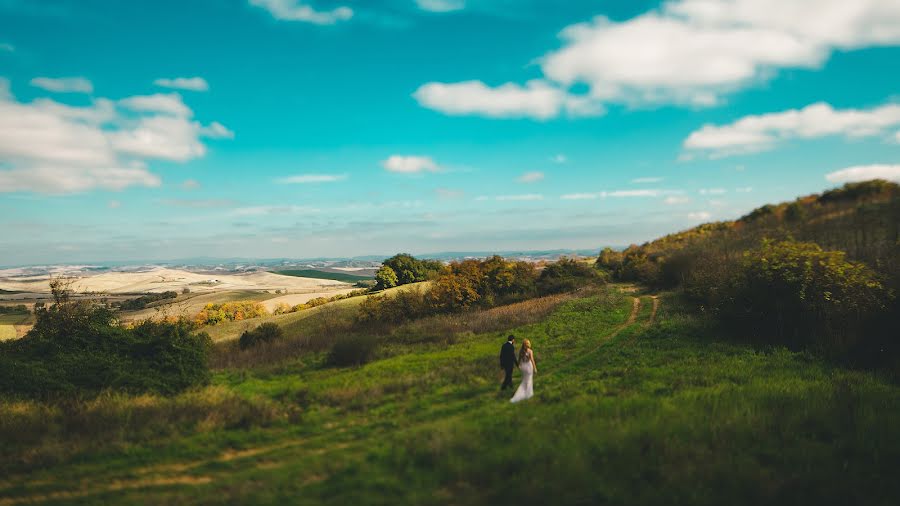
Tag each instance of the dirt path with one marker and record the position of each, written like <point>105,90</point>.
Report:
<point>653,311</point>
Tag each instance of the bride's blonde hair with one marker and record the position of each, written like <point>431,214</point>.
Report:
<point>526,345</point>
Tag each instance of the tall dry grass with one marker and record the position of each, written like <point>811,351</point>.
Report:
<point>35,434</point>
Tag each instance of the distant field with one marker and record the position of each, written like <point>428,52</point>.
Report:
<point>335,276</point>
<point>8,324</point>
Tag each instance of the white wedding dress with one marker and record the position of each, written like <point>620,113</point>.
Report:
<point>526,387</point>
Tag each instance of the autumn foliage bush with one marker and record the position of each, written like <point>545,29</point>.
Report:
<point>213,314</point>
<point>472,284</point>
<point>798,294</point>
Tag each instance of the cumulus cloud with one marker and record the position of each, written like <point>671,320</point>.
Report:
<point>694,51</point>
<point>409,164</point>
<point>63,84</point>
<point>699,216</point>
<point>561,158</point>
<point>865,172</point>
<point>537,99</point>
<point>441,5</point>
<point>52,147</point>
<point>645,180</point>
<point>313,178</point>
<point>531,177</point>
<point>183,83</point>
<point>764,131</point>
<point>713,191</point>
<point>690,52</point>
<point>296,10</point>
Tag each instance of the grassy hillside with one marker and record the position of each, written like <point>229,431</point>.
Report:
<point>638,401</point>
<point>292,323</point>
<point>315,274</point>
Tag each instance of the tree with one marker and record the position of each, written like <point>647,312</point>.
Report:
<point>385,278</point>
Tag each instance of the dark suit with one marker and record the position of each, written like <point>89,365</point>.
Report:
<point>507,363</point>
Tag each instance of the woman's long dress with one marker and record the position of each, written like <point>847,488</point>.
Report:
<point>526,387</point>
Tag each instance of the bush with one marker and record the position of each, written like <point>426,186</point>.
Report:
<point>213,314</point>
<point>796,293</point>
<point>565,275</point>
<point>145,300</point>
<point>267,332</point>
<point>352,351</point>
<point>79,349</point>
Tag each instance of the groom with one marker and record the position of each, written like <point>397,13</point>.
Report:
<point>508,360</point>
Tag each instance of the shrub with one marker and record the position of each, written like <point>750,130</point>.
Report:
<point>145,300</point>
<point>565,275</point>
<point>352,351</point>
<point>76,348</point>
<point>213,314</point>
<point>798,294</point>
<point>385,278</point>
<point>267,332</point>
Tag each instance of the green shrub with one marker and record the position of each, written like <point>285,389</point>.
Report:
<point>145,300</point>
<point>352,351</point>
<point>79,349</point>
<point>267,332</point>
<point>798,294</point>
<point>565,275</point>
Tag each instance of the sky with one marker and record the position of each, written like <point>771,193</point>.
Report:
<point>164,129</point>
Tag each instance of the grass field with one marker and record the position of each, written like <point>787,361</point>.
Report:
<point>336,276</point>
<point>637,402</point>
<point>8,323</point>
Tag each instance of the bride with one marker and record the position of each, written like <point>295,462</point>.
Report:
<point>528,368</point>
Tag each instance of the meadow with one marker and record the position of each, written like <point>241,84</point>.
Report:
<point>638,400</point>
<point>317,274</point>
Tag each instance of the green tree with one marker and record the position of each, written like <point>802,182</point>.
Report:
<point>385,278</point>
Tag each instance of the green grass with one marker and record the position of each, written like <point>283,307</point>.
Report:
<point>662,413</point>
<point>335,276</point>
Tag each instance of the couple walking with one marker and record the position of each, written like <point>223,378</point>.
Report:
<point>526,364</point>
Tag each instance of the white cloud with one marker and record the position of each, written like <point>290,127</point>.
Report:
<point>269,210</point>
<point>409,164</point>
<point>632,193</point>
<point>675,200</point>
<point>864,173</point>
<point>691,52</point>
<point>561,158</point>
<point>699,216</point>
<point>762,132</point>
<point>745,189</point>
<point>441,5</point>
<point>313,178</point>
<point>580,196</point>
<point>296,10</point>
<point>114,204</point>
<point>713,191</point>
<point>63,84</point>
<point>694,51</point>
<point>531,177</point>
<point>183,83</point>
<point>190,184</point>
<point>164,103</point>
<point>51,147</point>
<point>216,130</point>
<point>538,99</point>
<point>525,197</point>
<point>645,180</point>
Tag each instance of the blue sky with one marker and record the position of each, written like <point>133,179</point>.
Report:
<point>291,128</point>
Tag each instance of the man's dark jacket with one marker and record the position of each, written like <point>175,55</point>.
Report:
<point>507,355</point>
